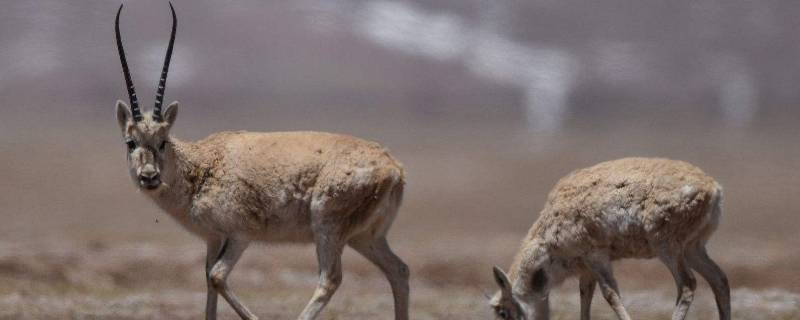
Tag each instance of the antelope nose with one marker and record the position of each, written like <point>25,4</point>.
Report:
<point>149,177</point>
<point>149,172</point>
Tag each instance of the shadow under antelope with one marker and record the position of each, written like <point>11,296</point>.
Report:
<point>234,188</point>
<point>627,208</point>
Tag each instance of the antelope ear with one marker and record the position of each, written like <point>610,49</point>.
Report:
<point>171,113</point>
<point>123,114</point>
<point>502,280</point>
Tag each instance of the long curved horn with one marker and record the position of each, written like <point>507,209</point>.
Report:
<point>135,111</point>
<point>162,83</point>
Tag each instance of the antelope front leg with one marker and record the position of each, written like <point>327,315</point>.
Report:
<point>601,270</point>
<point>218,276</point>
<point>329,255</point>
<point>213,247</point>
<point>587,285</point>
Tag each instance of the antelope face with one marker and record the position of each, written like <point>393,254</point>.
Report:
<point>506,309</point>
<point>147,144</point>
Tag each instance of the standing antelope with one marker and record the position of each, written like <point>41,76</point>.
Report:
<point>233,188</point>
<point>628,208</point>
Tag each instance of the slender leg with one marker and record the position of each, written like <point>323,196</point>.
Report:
<point>684,281</point>
<point>698,259</point>
<point>213,247</point>
<point>587,285</point>
<point>601,270</point>
<point>396,271</point>
<point>329,255</point>
<point>229,254</point>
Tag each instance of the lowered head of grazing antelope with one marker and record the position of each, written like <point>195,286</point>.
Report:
<point>146,135</point>
<point>235,188</point>
<point>534,304</point>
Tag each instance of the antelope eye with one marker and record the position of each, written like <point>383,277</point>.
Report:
<point>163,145</point>
<point>131,145</point>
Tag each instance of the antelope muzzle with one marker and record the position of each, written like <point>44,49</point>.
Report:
<point>149,178</point>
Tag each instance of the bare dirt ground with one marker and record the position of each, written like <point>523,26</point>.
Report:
<point>151,280</point>
<point>77,242</point>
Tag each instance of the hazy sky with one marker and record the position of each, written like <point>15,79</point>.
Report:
<point>543,60</point>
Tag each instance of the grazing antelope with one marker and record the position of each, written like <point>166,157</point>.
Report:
<point>234,188</point>
<point>628,208</point>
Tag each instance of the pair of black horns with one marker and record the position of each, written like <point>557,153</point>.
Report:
<point>162,82</point>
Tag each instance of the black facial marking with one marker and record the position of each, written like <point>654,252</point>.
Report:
<point>131,145</point>
<point>163,145</point>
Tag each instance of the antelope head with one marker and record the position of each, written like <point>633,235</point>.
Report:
<point>531,303</point>
<point>146,135</point>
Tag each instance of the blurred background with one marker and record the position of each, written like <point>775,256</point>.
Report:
<point>487,103</point>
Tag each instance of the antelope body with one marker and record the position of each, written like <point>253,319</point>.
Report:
<point>628,208</point>
<point>234,188</point>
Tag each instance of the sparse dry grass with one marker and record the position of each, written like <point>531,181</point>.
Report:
<point>156,281</point>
